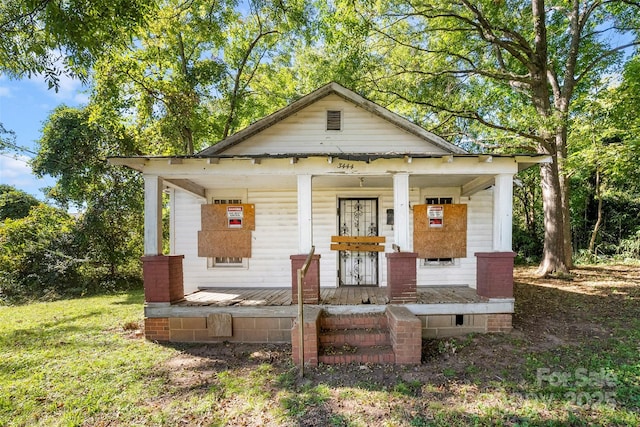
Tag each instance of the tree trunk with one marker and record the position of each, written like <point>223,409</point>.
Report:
<point>187,139</point>
<point>553,260</point>
<point>596,227</point>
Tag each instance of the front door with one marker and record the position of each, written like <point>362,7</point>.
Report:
<point>358,217</point>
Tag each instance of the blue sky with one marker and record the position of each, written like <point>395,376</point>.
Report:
<point>24,107</point>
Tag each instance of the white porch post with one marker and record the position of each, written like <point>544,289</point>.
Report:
<point>152,215</point>
<point>502,213</point>
<point>305,216</point>
<point>401,235</point>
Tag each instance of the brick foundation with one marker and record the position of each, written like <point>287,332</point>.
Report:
<point>499,323</point>
<point>401,277</point>
<point>311,342</point>
<point>495,274</point>
<point>311,282</point>
<point>406,335</point>
<point>163,280</point>
<point>244,329</point>
<point>156,329</point>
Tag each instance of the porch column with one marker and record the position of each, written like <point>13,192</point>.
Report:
<point>502,213</point>
<point>401,234</point>
<point>152,215</point>
<point>494,270</point>
<point>305,217</point>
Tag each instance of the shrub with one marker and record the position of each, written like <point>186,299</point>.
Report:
<point>37,257</point>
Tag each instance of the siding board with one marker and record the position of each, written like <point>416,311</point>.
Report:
<point>305,132</point>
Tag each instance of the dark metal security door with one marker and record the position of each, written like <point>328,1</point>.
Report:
<point>358,217</point>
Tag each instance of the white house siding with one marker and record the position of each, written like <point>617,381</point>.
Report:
<point>305,132</point>
<point>275,238</point>
<point>185,221</point>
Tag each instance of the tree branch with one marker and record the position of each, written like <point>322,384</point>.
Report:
<point>472,115</point>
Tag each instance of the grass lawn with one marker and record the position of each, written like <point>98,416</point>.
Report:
<point>572,359</point>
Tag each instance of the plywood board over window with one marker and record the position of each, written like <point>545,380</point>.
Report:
<point>221,237</point>
<point>440,239</point>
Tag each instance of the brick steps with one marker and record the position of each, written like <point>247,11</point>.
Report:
<point>354,321</point>
<point>339,355</point>
<point>393,336</point>
<point>355,338</point>
<point>359,337</point>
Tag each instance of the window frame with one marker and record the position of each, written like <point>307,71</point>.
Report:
<point>439,262</point>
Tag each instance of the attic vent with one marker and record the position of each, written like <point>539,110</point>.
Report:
<point>334,120</point>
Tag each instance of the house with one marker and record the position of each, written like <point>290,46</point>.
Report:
<point>411,234</point>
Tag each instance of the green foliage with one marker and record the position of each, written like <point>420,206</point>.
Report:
<point>197,73</point>
<point>37,256</point>
<point>604,154</point>
<point>528,220</point>
<point>14,203</point>
<point>64,37</point>
<point>109,231</point>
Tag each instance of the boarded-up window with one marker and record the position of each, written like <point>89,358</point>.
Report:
<point>334,120</point>
<point>440,232</point>
<point>226,261</point>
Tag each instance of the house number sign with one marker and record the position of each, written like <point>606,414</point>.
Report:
<point>342,165</point>
<point>235,214</point>
<point>435,215</point>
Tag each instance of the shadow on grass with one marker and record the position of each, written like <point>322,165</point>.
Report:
<point>132,297</point>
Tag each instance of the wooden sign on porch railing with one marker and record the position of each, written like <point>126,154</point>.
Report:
<point>358,243</point>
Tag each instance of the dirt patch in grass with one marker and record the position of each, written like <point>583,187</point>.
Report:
<point>559,324</point>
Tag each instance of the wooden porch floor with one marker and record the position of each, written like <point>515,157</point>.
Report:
<point>259,297</point>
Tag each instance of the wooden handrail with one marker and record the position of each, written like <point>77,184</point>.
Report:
<point>307,261</point>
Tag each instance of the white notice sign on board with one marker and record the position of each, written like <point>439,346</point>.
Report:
<point>435,215</point>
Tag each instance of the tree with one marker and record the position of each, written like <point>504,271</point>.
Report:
<point>73,149</point>
<point>498,69</point>
<point>605,151</point>
<point>14,203</point>
<point>52,38</point>
<point>187,81</point>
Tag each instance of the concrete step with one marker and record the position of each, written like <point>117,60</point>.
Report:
<point>349,354</point>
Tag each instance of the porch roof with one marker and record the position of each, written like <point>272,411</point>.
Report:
<point>194,174</point>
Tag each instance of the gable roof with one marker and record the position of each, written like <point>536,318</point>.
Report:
<point>326,90</point>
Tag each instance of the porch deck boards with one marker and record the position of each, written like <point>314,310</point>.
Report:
<point>261,297</point>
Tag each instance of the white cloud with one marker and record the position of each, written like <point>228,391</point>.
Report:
<point>69,89</point>
<point>5,92</point>
<point>15,171</point>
